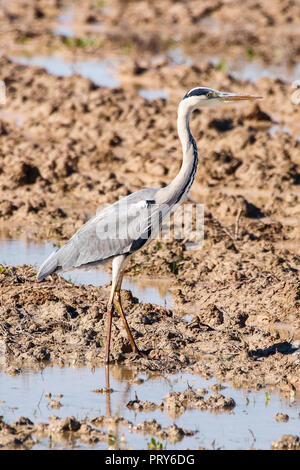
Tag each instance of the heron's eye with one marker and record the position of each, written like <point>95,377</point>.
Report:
<point>209,94</point>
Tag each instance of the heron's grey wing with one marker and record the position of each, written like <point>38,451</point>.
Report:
<point>120,228</point>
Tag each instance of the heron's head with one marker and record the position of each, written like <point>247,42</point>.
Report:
<point>202,97</point>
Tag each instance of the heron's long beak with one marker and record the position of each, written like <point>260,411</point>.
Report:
<point>227,97</point>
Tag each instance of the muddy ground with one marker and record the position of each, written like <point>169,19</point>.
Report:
<point>68,147</point>
<point>122,27</point>
<point>63,323</point>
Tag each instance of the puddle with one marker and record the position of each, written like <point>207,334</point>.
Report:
<point>17,119</point>
<point>151,94</point>
<point>63,31</point>
<point>99,72</point>
<point>102,73</point>
<point>178,57</point>
<point>275,128</point>
<point>67,14</point>
<point>250,424</point>
<point>240,68</point>
<point>65,18</point>
<point>286,130</point>
<point>253,70</point>
<point>210,23</point>
<point>105,72</point>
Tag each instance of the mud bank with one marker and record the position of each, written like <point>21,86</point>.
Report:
<point>270,32</point>
<point>79,147</point>
<point>63,323</point>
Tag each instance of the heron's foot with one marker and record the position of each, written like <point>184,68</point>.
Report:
<point>143,354</point>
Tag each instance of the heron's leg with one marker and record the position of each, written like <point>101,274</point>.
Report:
<point>118,305</point>
<point>117,267</point>
<point>110,309</point>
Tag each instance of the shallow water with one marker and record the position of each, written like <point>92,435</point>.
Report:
<point>17,119</point>
<point>252,70</point>
<point>63,31</point>
<point>178,57</point>
<point>67,14</point>
<point>105,72</point>
<point>151,94</point>
<point>65,20</point>
<point>99,72</point>
<point>250,424</point>
<point>241,68</point>
<point>285,129</point>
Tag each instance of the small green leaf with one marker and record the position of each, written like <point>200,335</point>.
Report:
<point>155,445</point>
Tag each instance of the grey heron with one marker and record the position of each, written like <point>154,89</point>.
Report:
<point>121,229</point>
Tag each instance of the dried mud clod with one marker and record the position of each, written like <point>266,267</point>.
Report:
<point>287,442</point>
<point>17,435</point>
<point>152,427</point>
<point>176,403</point>
<point>69,430</point>
<point>282,417</point>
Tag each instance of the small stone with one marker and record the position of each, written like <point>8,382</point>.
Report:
<point>282,417</point>
<point>55,404</point>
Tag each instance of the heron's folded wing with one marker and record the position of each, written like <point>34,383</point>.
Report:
<point>118,229</point>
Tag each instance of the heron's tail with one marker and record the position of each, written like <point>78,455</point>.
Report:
<point>49,266</point>
<point>63,258</point>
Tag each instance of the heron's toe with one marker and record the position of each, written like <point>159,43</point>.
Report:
<point>143,354</point>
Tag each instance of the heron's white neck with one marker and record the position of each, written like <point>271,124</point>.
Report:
<point>183,127</point>
<point>175,192</point>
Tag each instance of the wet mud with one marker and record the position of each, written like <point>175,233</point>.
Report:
<point>270,32</point>
<point>69,146</point>
<point>63,323</point>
